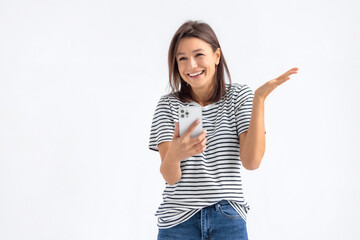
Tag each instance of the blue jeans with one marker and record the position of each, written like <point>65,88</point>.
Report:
<point>217,222</point>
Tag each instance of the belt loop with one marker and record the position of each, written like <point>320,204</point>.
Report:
<point>217,206</point>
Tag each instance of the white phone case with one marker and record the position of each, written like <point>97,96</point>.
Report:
<point>187,116</point>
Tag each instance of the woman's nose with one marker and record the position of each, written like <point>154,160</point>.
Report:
<point>193,63</point>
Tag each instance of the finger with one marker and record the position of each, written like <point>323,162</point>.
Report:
<point>291,71</point>
<point>202,144</point>
<point>199,138</point>
<point>285,76</point>
<point>176,130</point>
<point>200,147</point>
<point>282,79</point>
<point>295,69</point>
<point>192,127</point>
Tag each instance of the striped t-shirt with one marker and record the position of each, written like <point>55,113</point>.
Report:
<point>215,174</point>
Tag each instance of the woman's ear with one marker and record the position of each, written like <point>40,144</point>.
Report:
<point>217,56</point>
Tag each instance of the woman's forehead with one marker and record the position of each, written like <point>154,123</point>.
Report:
<point>191,45</point>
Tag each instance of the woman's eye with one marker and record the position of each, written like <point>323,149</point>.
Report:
<point>197,55</point>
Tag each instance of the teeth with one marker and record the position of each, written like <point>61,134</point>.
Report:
<point>194,74</point>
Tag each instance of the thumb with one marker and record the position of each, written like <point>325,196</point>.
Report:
<point>176,130</point>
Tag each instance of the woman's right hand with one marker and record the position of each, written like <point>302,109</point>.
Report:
<point>184,146</point>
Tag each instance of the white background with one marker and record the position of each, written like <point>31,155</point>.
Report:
<point>79,83</point>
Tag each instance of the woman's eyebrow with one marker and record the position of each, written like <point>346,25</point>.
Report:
<point>196,50</point>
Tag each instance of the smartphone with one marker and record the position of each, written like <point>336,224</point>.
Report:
<point>187,116</point>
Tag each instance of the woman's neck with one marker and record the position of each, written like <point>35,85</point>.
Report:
<point>201,96</point>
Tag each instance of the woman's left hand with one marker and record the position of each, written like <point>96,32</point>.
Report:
<point>264,90</point>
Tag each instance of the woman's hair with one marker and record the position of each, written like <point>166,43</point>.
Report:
<point>204,32</point>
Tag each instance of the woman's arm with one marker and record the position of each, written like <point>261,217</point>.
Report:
<point>172,153</point>
<point>170,167</point>
<point>252,142</point>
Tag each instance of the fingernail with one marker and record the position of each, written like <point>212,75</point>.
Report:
<point>197,121</point>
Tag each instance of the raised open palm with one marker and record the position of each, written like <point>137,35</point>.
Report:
<point>264,90</point>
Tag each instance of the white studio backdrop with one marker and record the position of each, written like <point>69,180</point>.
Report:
<point>79,83</point>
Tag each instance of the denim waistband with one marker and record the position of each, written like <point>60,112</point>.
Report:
<point>223,202</point>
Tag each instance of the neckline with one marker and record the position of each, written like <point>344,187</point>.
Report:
<point>204,107</point>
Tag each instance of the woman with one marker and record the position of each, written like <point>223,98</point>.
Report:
<point>203,197</point>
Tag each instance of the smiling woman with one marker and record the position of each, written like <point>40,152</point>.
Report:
<point>195,48</point>
<point>197,65</point>
<point>204,195</point>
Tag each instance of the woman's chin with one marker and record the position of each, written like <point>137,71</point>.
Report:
<point>198,84</point>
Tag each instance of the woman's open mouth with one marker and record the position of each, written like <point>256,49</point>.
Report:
<point>196,74</point>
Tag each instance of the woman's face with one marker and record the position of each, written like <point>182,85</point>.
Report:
<point>197,62</point>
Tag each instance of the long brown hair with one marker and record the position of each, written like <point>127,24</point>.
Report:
<point>204,32</point>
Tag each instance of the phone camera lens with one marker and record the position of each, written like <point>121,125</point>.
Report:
<point>187,113</point>
<point>182,111</point>
<point>182,115</point>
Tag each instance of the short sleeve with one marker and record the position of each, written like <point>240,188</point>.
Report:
<point>243,107</point>
<point>162,126</point>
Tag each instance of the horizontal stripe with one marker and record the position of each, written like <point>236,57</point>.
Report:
<point>215,174</point>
